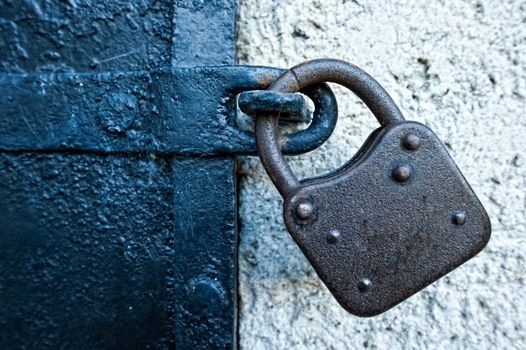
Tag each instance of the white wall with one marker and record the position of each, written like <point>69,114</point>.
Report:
<point>456,66</point>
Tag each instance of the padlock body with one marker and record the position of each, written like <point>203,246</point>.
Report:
<point>398,217</point>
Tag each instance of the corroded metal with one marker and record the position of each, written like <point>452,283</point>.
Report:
<point>291,106</point>
<point>397,217</point>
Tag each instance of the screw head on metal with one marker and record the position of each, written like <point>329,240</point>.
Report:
<point>333,236</point>
<point>401,173</point>
<point>205,296</point>
<point>364,284</point>
<point>459,218</point>
<point>411,142</point>
<point>304,210</point>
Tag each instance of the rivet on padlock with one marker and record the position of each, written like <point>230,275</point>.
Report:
<point>397,217</point>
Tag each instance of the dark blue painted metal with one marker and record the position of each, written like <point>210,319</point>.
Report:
<point>135,248</point>
<point>205,250</point>
<point>87,251</point>
<point>291,106</point>
<point>183,111</point>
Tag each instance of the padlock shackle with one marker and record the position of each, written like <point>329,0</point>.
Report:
<point>311,72</point>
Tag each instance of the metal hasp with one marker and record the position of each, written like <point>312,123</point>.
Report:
<point>118,203</point>
<point>181,111</point>
<point>291,106</point>
<point>397,217</point>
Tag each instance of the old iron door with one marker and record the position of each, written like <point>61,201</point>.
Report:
<point>117,211</point>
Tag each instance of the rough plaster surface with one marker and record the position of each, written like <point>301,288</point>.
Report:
<point>456,66</point>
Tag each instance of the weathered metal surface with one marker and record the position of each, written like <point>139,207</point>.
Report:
<point>185,111</point>
<point>134,249</point>
<point>204,32</point>
<point>87,251</point>
<point>291,106</point>
<point>390,224</point>
<point>300,77</point>
<point>205,199</point>
<point>103,251</point>
<point>395,218</point>
<point>94,36</point>
<point>205,246</point>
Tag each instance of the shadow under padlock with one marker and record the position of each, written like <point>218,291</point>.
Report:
<point>397,217</point>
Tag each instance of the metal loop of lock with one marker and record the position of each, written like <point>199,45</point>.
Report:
<point>302,76</point>
<point>321,125</point>
<point>397,217</point>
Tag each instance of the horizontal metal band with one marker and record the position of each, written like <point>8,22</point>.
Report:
<point>187,111</point>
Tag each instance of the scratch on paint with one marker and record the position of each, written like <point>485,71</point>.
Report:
<point>23,114</point>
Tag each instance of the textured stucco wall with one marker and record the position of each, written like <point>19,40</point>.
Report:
<point>456,66</point>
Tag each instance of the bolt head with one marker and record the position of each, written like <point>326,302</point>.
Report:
<point>205,297</point>
<point>333,236</point>
<point>364,284</point>
<point>304,210</point>
<point>459,218</point>
<point>401,173</point>
<point>411,142</point>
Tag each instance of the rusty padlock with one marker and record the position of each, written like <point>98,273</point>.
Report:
<point>397,217</point>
